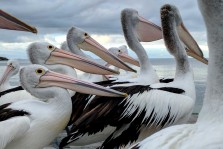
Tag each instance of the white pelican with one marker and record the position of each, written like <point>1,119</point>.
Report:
<point>34,124</point>
<point>76,37</point>
<point>148,108</point>
<point>207,132</point>
<point>12,68</point>
<point>55,59</point>
<point>10,22</point>
<point>121,52</point>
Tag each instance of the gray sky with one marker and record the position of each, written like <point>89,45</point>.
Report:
<point>100,18</point>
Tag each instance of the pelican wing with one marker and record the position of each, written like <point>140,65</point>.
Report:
<point>18,88</point>
<point>15,96</point>
<point>12,129</point>
<point>166,80</point>
<point>161,108</point>
<point>103,111</point>
<point>79,100</point>
<point>13,124</point>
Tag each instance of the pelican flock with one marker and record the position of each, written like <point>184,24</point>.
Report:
<point>135,110</point>
<point>141,114</point>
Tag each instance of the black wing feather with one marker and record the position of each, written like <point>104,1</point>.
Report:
<point>104,111</point>
<point>167,80</point>
<point>7,113</point>
<point>11,90</point>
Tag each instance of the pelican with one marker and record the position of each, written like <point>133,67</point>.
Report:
<point>32,119</point>
<point>150,105</point>
<point>76,37</point>
<point>120,52</point>
<point>55,59</point>
<point>75,49</point>
<point>12,69</point>
<point>207,132</point>
<point>10,22</point>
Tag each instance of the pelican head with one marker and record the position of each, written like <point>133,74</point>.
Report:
<point>170,15</point>
<point>47,54</point>
<point>83,40</point>
<point>34,78</point>
<point>122,53</point>
<point>12,69</point>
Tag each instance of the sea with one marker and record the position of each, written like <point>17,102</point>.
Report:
<point>165,68</point>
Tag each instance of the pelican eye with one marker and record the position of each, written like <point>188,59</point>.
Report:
<point>50,47</point>
<point>119,50</point>
<point>85,34</point>
<point>40,71</point>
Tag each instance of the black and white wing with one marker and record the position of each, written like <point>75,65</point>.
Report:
<point>13,124</point>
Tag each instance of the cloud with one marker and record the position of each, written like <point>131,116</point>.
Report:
<point>99,17</point>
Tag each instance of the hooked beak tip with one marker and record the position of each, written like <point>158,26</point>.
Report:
<point>125,95</point>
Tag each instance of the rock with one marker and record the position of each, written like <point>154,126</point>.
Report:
<point>3,59</point>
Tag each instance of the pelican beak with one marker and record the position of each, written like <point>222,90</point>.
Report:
<point>59,56</point>
<point>8,69</point>
<point>126,58</point>
<point>51,78</point>
<point>93,46</point>
<point>192,47</point>
<point>147,31</point>
<point>9,22</point>
<point>196,56</point>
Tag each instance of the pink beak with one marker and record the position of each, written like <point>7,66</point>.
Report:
<point>128,59</point>
<point>192,49</point>
<point>9,68</point>
<point>59,56</point>
<point>147,31</point>
<point>93,46</point>
<point>9,22</point>
<point>51,78</point>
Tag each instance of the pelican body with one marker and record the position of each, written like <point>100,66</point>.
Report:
<point>33,123</point>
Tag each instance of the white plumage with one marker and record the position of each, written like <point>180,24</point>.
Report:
<point>147,73</point>
<point>45,119</point>
<point>42,121</point>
